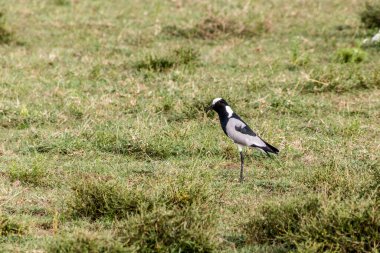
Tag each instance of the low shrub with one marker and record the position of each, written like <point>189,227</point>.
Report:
<point>155,63</point>
<point>185,192</point>
<point>84,242</point>
<point>9,227</point>
<point>178,216</point>
<point>65,143</point>
<point>179,57</point>
<point>5,34</point>
<point>193,109</point>
<point>34,174</point>
<point>275,220</point>
<point>109,141</point>
<point>370,15</point>
<point>214,27</point>
<point>341,79</point>
<point>166,230</point>
<point>97,199</point>
<point>186,55</point>
<point>350,55</point>
<point>349,226</point>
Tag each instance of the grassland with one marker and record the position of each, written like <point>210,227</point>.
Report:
<point>106,146</point>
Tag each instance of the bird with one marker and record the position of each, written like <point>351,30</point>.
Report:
<point>239,131</point>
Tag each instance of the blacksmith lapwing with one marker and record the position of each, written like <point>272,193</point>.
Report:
<point>235,128</point>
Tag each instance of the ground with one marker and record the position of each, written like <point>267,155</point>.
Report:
<point>106,146</point>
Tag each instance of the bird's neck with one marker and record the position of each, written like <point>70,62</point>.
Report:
<point>225,112</point>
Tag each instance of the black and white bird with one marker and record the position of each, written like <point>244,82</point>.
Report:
<point>235,128</point>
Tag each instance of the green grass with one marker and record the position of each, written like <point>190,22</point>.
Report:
<point>106,145</point>
<point>5,34</point>
<point>370,15</point>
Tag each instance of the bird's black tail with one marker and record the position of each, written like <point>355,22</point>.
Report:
<point>269,148</point>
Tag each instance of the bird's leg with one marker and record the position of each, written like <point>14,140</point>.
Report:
<point>241,163</point>
<point>241,167</point>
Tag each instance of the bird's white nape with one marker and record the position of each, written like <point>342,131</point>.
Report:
<point>229,111</point>
<point>216,100</point>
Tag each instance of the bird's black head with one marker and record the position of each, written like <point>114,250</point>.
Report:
<point>218,104</point>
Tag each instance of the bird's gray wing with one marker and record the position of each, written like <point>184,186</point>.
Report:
<point>242,134</point>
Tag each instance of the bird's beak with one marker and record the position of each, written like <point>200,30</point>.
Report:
<point>209,108</point>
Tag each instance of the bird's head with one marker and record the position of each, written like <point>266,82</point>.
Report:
<point>217,104</point>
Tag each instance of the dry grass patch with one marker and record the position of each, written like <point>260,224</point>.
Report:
<point>215,27</point>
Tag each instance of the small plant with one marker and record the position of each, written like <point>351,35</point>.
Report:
<point>335,78</point>
<point>298,59</point>
<point>84,242</point>
<point>350,55</point>
<point>351,226</point>
<point>185,192</point>
<point>8,227</point>
<point>62,2</point>
<point>370,15</point>
<point>186,56</point>
<point>5,34</point>
<point>181,219</point>
<point>164,230</point>
<point>274,221</point>
<point>214,27</point>
<point>34,174</point>
<point>63,144</point>
<point>111,142</point>
<point>157,64</point>
<point>98,198</point>
<point>182,56</point>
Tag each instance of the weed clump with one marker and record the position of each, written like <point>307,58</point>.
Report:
<point>373,188</point>
<point>182,220</point>
<point>179,57</point>
<point>350,55</point>
<point>84,242</point>
<point>186,56</point>
<point>64,144</point>
<point>215,27</point>
<point>62,2</point>
<point>370,15</point>
<point>157,64</point>
<point>190,110</point>
<point>341,79</point>
<point>166,230</point>
<point>96,199</point>
<point>113,143</point>
<point>176,217</point>
<point>34,174</point>
<point>351,226</point>
<point>8,227</point>
<point>5,34</point>
<point>274,221</point>
<point>184,192</point>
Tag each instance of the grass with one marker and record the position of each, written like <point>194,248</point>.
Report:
<point>9,227</point>
<point>106,145</point>
<point>5,33</point>
<point>83,242</point>
<point>214,27</point>
<point>33,173</point>
<point>343,226</point>
<point>370,15</point>
<point>182,56</point>
<point>100,199</point>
